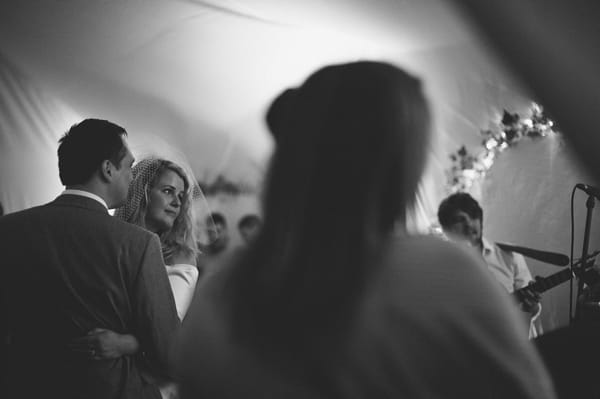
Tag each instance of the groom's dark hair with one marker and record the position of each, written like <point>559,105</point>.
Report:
<point>85,145</point>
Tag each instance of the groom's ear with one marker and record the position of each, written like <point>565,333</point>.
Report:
<point>106,170</point>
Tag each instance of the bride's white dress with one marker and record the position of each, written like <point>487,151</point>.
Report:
<point>183,279</point>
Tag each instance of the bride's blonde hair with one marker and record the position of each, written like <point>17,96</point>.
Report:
<point>180,239</point>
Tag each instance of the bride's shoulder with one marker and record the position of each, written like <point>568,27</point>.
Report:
<point>183,259</point>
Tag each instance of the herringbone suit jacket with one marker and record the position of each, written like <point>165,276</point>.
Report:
<point>68,267</point>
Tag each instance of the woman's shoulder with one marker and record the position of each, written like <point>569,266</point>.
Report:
<point>429,249</point>
<point>434,302</point>
<point>445,270</point>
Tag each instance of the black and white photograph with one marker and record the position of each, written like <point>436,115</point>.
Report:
<point>337,199</point>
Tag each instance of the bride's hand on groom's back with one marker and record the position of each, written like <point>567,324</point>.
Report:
<point>102,344</point>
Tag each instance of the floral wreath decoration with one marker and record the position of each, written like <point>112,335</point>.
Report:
<point>468,167</point>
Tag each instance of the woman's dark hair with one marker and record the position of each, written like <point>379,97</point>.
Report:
<point>250,220</point>
<point>216,218</point>
<point>350,145</point>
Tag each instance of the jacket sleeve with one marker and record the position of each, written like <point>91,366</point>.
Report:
<point>156,321</point>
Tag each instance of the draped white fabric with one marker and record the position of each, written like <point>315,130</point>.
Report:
<point>198,76</point>
<point>30,124</point>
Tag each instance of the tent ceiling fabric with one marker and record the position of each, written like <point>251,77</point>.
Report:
<point>199,74</point>
<point>196,55</point>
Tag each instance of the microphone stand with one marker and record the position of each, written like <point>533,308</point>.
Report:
<point>586,241</point>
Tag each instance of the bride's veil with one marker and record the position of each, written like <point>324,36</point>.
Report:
<point>201,210</point>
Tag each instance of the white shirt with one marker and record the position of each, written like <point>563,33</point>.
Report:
<point>511,272</point>
<point>85,194</point>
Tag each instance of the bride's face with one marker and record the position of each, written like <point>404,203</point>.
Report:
<point>164,202</point>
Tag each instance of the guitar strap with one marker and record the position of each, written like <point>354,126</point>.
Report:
<point>508,256</point>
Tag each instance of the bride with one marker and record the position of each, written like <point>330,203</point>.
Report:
<point>160,199</point>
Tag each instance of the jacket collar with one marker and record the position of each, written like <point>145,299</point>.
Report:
<point>79,201</point>
<point>86,194</point>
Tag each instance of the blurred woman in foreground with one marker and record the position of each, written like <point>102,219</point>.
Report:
<point>334,299</point>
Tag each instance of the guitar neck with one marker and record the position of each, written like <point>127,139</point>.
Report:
<point>585,271</point>
<point>551,281</point>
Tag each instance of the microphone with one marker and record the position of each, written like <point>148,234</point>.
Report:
<point>590,190</point>
<point>553,258</point>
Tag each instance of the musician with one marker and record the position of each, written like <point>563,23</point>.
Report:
<point>461,218</point>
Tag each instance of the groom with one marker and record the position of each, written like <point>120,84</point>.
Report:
<point>69,267</point>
